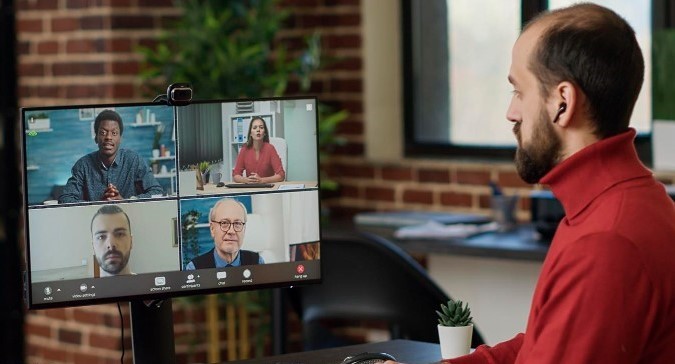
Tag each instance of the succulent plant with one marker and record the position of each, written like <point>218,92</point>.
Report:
<point>453,314</point>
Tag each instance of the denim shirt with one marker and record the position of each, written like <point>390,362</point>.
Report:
<point>129,173</point>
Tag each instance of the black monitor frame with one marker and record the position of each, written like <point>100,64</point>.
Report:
<point>153,309</point>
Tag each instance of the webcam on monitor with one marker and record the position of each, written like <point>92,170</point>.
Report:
<point>179,94</point>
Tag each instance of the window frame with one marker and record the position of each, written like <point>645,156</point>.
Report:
<point>420,149</point>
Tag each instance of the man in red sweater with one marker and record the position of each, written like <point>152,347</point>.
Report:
<point>606,292</point>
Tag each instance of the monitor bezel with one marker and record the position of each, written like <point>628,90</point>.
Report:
<point>158,296</point>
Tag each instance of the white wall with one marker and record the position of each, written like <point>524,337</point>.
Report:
<point>499,291</point>
<point>300,133</point>
<point>279,220</point>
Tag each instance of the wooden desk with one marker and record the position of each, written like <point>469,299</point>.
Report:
<point>211,189</point>
<point>406,351</point>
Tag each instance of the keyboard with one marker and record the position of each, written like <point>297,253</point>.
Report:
<point>249,185</point>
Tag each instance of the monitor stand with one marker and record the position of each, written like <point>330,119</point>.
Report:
<point>152,332</point>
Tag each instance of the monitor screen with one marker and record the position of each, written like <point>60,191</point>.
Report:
<point>150,201</point>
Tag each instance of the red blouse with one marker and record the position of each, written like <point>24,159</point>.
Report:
<point>268,163</point>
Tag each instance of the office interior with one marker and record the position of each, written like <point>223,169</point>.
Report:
<point>79,52</point>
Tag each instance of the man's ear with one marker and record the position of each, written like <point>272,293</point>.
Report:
<point>567,94</point>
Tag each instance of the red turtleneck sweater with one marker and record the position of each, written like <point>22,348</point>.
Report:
<point>606,292</point>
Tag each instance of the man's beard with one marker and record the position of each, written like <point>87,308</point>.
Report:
<point>543,152</point>
<point>114,268</point>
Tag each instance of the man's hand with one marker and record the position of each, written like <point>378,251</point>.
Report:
<point>111,193</point>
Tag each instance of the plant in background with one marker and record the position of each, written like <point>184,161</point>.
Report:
<point>227,49</point>
<point>188,223</point>
<point>453,314</point>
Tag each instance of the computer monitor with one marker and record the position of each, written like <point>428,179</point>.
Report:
<point>118,208</point>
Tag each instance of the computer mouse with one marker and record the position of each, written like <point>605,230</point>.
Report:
<point>220,184</point>
<point>368,358</point>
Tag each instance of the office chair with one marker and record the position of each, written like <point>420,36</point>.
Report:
<point>368,278</point>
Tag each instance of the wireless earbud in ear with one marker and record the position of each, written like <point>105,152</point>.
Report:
<point>561,110</point>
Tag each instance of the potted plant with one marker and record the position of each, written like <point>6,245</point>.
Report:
<point>455,327</point>
<point>204,168</point>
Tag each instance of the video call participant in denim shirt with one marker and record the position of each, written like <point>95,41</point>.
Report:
<point>110,173</point>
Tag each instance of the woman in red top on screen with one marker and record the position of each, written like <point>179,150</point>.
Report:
<point>258,160</point>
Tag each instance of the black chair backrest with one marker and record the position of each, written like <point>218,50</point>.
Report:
<point>366,277</point>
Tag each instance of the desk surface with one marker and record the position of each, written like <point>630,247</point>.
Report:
<point>211,189</point>
<point>406,351</point>
<point>521,243</point>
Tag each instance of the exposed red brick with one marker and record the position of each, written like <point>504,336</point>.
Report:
<point>131,22</point>
<point>53,355</point>
<point>349,191</point>
<point>433,176</point>
<point>88,317</point>
<point>83,358</point>
<point>299,3</point>
<point>119,45</point>
<point>85,46</point>
<point>347,127</point>
<point>45,91</point>
<point>28,5</point>
<point>65,24</point>
<point>346,86</point>
<point>78,68</point>
<point>37,329</point>
<point>346,64</point>
<point>123,91</point>
<point>350,149</point>
<point>342,41</point>
<point>121,3</point>
<point>341,2</point>
<point>148,43</point>
<point>525,203</point>
<point>85,91</point>
<point>31,69</point>
<point>92,22</point>
<point>473,177</point>
<point>156,3</point>
<point>70,336</point>
<point>379,193</point>
<point>397,173</point>
<point>79,4</point>
<point>22,47</point>
<point>511,179</point>
<point>125,67</point>
<point>48,47</point>
<point>484,201</point>
<point>29,25</point>
<point>459,199</point>
<point>342,20</point>
<point>418,196</point>
<point>356,171</point>
<point>111,342</point>
<point>353,107</point>
<point>57,313</point>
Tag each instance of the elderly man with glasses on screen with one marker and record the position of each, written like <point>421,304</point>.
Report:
<point>227,223</point>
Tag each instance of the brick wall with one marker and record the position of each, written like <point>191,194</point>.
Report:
<point>83,51</point>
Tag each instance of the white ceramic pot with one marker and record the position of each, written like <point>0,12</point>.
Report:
<point>455,341</point>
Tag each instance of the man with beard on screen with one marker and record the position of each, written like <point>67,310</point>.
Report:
<point>606,290</point>
<point>112,240</point>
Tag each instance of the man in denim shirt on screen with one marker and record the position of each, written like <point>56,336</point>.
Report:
<point>110,173</point>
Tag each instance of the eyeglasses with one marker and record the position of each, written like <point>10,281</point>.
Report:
<point>238,226</point>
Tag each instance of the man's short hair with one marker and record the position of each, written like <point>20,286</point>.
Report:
<point>595,49</point>
<point>224,199</point>
<point>109,210</point>
<point>108,115</point>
